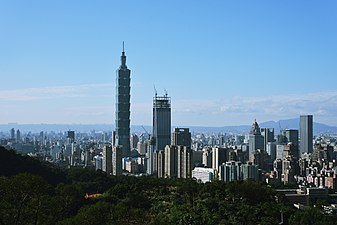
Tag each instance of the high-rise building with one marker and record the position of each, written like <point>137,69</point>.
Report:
<point>185,155</point>
<point>288,170</point>
<point>171,161</point>
<point>230,171</point>
<point>141,147</point>
<point>292,137</point>
<point>271,150</point>
<point>117,155</point>
<point>306,133</point>
<point>134,140</point>
<point>122,123</point>
<point>98,162</point>
<point>207,157</point>
<point>178,155</point>
<point>151,163</point>
<point>13,134</point>
<point>161,121</point>
<point>107,159</point>
<point>18,136</point>
<point>181,136</point>
<point>41,138</point>
<point>249,171</point>
<point>219,156</point>
<point>279,151</point>
<point>70,136</point>
<point>268,135</point>
<point>159,156</point>
<point>256,140</point>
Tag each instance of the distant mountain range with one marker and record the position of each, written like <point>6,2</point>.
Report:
<point>242,129</point>
<point>277,125</point>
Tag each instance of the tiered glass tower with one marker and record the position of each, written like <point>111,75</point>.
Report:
<point>122,134</point>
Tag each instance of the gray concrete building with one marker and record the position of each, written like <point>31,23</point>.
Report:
<point>306,133</point>
<point>256,140</point>
<point>181,136</point>
<point>107,159</point>
<point>268,136</point>
<point>230,171</point>
<point>117,155</point>
<point>292,137</point>
<point>161,121</point>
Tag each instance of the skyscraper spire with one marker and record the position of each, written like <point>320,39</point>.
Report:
<point>123,59</point>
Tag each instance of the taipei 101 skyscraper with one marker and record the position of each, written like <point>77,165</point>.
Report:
<point>122,133</point>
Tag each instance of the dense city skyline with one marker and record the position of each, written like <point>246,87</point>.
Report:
<point>222,63</point>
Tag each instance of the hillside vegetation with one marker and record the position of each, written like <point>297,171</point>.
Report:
<point>39,193</point>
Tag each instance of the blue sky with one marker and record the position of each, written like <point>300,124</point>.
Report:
<point>222,62</point>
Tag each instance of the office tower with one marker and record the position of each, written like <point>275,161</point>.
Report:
<point>256,140</point>
<point>151,169</point>
<point>55,150</point>
<point>281,138</point>
<point>113,138</point>
<point>117,154</point>
<point>185,155</point>
<point>290,150</point>
<point>107,159</point>
<point>122,123</point>
<point>171,161</point>
<point>181,136</point>
<point>87,158</point>
<point>41,138</point>
<point>249,171</point>
<point>261,159</point>
<point>279,151</point>
<point>178,161</point>
<point>230,171</point>
<point>70,137</point>
<point>134,140</point>
<point>288,171</point>
<point>323,152</point>
<point>271,150</point>
<point>292,137</point>
<point>197,158</point>
<point>75,154</point>
<point>18,136</point>
<point>219,156</point>
<point>160,163</point>
<point>306,133</point>
<point>141,147</point>
<point>268,135</point>
<point>98,162</point>
<point>278,169</point>
<point>12,134</point>
<point>207,157</point>
<point>161,121</point>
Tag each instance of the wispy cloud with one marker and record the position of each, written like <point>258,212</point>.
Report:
<point>70,91</point>
<point>243,109</point>
<point>95,103</point>
<point>320,103</point>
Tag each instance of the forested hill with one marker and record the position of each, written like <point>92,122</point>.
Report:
<point>30,198</point>
<point>12,163</point>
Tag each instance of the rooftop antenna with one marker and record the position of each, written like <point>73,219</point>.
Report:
<point>280,127</point>
<point>155,90</point>
<point>123,46</point>
<point>165,92</point>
